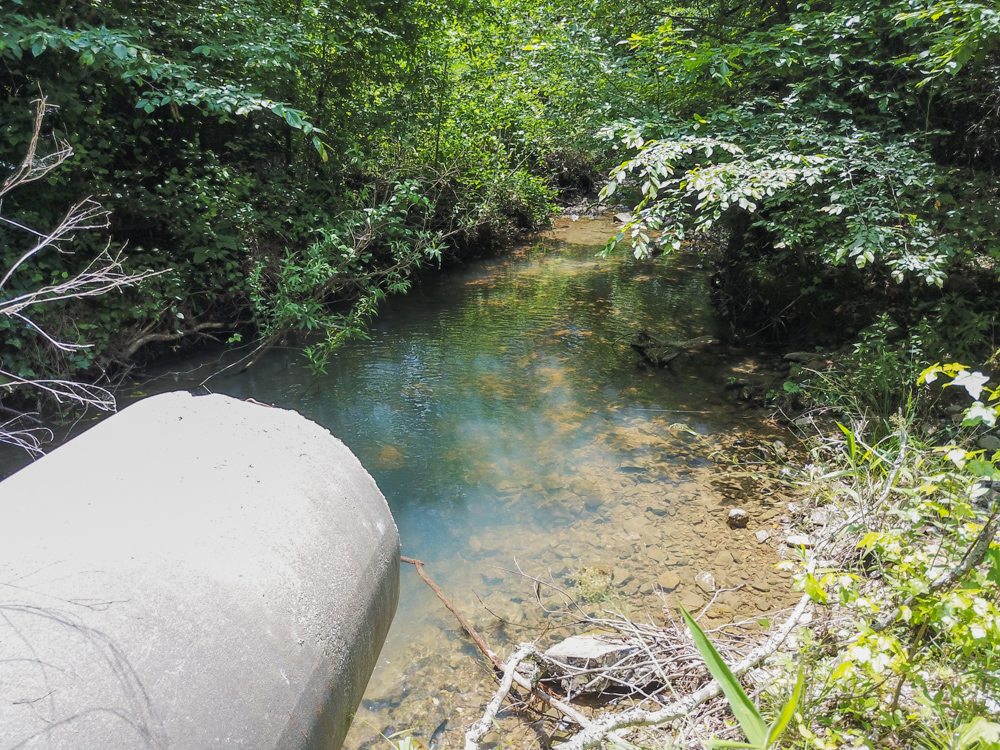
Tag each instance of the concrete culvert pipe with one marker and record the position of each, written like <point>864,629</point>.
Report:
<point>192,573</point>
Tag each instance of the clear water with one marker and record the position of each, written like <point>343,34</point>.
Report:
<point>505,419</point>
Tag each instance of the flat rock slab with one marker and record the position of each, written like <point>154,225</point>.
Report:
<point>192,573</point>
<point>579,658</point>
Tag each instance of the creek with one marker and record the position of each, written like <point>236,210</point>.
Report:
<point>508,424</point>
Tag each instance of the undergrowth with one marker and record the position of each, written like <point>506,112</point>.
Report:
<point>905,650</point>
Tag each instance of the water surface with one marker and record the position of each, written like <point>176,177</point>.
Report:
<point>508,424</point>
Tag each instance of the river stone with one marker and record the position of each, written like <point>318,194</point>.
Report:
<point>586,652</point>
<point>762,536</point>
<point>650,538</point>
<point>192,573</point>
<point>705,581</point>
<point>803,358</point>
<point>692,602</point>
<point>724,559</point>
<point>668,581</point>
<point>657,554</point>
<point>636,525</point>
<point>798,540</point>
<point>989,443</point>
<point>738,518</point>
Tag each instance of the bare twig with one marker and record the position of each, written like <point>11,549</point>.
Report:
<point>102,274</point>
<point>568,711</point>
<point>156,338</point>
<point>466,625</point>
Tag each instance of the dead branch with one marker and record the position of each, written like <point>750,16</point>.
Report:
<point>481,727</point>
<point>29,439</point>
<point>62,391</point>
<point>154,338</point>
<point>466,625</point>
<point>34,167</point>
<point>83,216</point>
<point>568,711</point>
<point>593,735</point>
<point>659,353</point>
<point>102,274</point>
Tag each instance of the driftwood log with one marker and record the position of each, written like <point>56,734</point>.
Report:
<point>660,353</point>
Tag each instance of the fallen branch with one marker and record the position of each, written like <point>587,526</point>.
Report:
<point>598,730</point>
<point>481,727</point>
<point>487,651</point>
<point>568,711</point>
<point>155,338</point>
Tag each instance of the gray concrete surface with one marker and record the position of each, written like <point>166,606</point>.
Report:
<point>192,573</point>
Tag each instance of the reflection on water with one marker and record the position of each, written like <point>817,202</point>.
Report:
<point>504,418</point>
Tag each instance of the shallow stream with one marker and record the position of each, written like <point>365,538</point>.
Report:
<point>508,424</point>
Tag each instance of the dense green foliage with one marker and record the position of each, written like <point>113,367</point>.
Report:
<point>275,168</point>
<point>850,150</point>
<point>237,144</point>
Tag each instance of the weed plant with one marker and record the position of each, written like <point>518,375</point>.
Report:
<point>907,653</point>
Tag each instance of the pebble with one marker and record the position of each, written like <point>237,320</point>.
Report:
<point>762,536</point>
<point>668,581</point>
<point>657,554</point>
<point>705,581</point>
<point>724,559</point>
<point>738,518</point>
<point>692,601</point>
<point>636,524</point>
<point>989,443</point>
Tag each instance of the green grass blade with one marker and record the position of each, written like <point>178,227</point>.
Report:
<point>712,744</point>
<point>787,712</point>
<point>746,713</point>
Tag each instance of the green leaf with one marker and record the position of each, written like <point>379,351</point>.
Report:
<point>976,731</point>
<point>746,713</point>
<point>320,148</point>
<point>787,712</point>
<point>813,587</point>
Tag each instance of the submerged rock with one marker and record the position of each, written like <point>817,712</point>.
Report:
<point>705,581</point>
<point>668,581</point>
